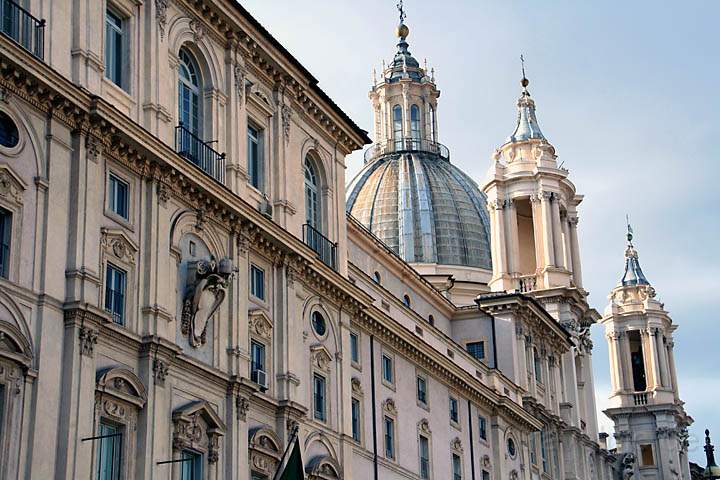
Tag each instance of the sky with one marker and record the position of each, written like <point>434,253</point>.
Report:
<point>625,91</point>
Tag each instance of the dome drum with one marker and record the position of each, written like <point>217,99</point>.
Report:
<point>407,145</point>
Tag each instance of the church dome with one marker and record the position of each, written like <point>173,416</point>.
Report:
<point>423,207</point>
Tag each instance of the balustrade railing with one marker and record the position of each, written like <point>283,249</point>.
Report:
<point>401,145</point>
<point>26,30</point>
<point>326,250</point>
<point>640,399</point>
<point>199,153</point>
<point>527,283</point>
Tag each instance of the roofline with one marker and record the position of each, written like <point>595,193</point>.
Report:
<point>313,82</point>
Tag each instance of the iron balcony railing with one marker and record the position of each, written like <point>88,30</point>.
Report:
<point>402,145</point>
<point>326,250</point>
<point>18,24</point>
<point>197,152</point>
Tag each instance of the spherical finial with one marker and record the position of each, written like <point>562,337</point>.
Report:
<point>524,82</point>
<point>402,31</point>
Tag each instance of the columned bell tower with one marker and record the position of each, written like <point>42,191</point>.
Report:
<point>650,420</point>
<point>533,209</point>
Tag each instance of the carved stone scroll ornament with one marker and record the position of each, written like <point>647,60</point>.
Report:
<point>206,290</point>
<point>628,466</point>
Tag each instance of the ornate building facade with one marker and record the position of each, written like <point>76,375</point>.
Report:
<point>183,279</point>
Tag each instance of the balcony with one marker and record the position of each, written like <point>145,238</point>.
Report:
<point>640,399</point>
<point>406,145</point>
<point>326,250</point>
<point>24,29</point>
<point>199,153</point>
<point>527,283</point>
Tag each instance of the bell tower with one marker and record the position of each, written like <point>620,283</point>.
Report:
<point>533,209</point>
<point>650,420</point>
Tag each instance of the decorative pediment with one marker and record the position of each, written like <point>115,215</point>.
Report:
<point>260,324</point>
<point>123,384</point>
<point>118,244</point>
<point>424,426</point>
<point>320,357</point>
<point>11,185</point>
<point>197,426</point>
<point>13,344</point>
<point>389,406</point>
<point>324,468</point>
<point>265,450</point>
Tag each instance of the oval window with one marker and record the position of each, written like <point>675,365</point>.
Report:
<point>9,135</point>
<point>318,323</point>
<point>511,447</point>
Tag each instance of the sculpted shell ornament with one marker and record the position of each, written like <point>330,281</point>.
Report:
<point>206,290</point>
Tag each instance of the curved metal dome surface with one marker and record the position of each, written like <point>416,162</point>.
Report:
<point>424,208</point>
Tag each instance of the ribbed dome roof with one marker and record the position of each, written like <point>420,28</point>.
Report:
<point>424,208</point>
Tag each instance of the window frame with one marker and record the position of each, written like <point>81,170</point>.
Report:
<point>428,461</point>
<point>117,456</point>
<point>122,316</point>
<point>641,449</point>
<point>195,113</point>
<point>456,475</point>
<point>6,241</point>
<point>397,126</point>
<point>391,435</point>
<point>480,341</point>
<point>254,268</point>
<point>257,345</point>
<point>357,433</point>
<point>323,411</point>
<point>482,428</point>
<point>313,193</point>
<point>198,464</point>
<point>390,383</point>
<point>355,350</point>
<point>426,402</point>
<point>259,142</point>
<point>415,132</point>
<point>121,30</point>
<point>453,400</point>
<point>128,179</point>
<point>113,181</point>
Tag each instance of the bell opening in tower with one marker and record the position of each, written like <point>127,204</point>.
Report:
<point>526,237</point>
<point>637,361</point>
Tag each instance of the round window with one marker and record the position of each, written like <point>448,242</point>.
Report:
<point>9,135</point>
<point>318,323</point>
<point>511,447</point>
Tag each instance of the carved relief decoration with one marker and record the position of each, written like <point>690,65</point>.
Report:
<point>88,339</point>
<point>265,452</point>
<point>206,289</point>
<point>323,468</point>
<point>389,406</point>
<point>196,426</point>
<point>119,245</point>
<point>356,386</point>
<point>161,15</point>
<point>11,186</point>
<point>320,358</point>
<point>260,324</point>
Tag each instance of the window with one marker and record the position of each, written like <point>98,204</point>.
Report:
<point>533,448</point>
<point>476,349</point>
<point>114,48</point>
<point>376,277</point>
<point>415,124</point>
<point>257,282</point>
<point>319,397</point>
<point>512,451</point>
<point>454,415</point>
<point>118,196</point>
<point>485,475</point>
<point>431,319</point>
<point>646,455</point>
<point>543,451</point>
<point>482,427</point>
<point>538,366</point>
<point>387,369</point>
<point>257,361</point>
<point>456,467</point>
<point>191,466</point>
<point>389,426</point>
<point>421,390</point>
<point>255,157</point>
<point>115,281</point>
<point>189,88</point>
<point>5,232</point>
<point>354,348</point>
<point>406,301</point>
<point>9,134</point>
<point>318,323</point>
<point>109,451</point>
<point>424,457</point>
<point>312,195</point>
<point>432,124</point>
<point>397,127</point>
<point>355,410</point>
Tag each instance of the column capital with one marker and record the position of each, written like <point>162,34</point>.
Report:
<point>573,221</point>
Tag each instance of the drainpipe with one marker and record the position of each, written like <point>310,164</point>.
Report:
<point>374,407</point>
<point>472,448</point>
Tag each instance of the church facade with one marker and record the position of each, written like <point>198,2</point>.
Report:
<point>185,278</point>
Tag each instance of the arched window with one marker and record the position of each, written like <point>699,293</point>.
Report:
<point>9,135</point>
<point>431,319</point>
<point>376,277</point>
<point>189,88</point>
<point>432,124</point>
<point>397,127</point>
<point>312,195</point>
<point>415,125</point>
<point>406,300</point>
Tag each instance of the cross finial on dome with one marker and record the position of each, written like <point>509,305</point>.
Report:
<point>524,82</point>
<point>401,9</point>
<point>527,127</point>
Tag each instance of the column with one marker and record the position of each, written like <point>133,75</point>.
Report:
<point>546,226</point>
<point>557,230</point>
<point>536,209</point>
<point>673,372</point>
<point>575,251</point>
<point>498,238</point>
<point>626,360</point>
<point>566,258</point>
<point>649,335</point>
<point>663,356</point>
<point>616,356</point>
<point>513,248</point>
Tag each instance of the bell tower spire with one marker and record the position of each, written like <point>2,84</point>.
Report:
<point>650,420</point>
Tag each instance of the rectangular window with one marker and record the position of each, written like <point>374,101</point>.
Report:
<point>319,397</point>
<point>389,437</point>
<point>387,369</point>
<point>5,232</point>
<point>422,390</point>
<point>538,366</point>
<point>485,475</point>
<point>476,349</point>
<point>533,449</point>
<point>118,196</point>
<point>456,466</point>
<point>115,282</point>
<point>424,457</point>
<point>454,415</point>
<point>543,451</point>
<point>482,427</point>
<point>109,451</point>
<point>646,456</point>
<point>257,282</point>
<point>114,34</point>
<point>356,419</point>
<point>257,362</point>
<point>192,466</point>
<point>354,348</point>
<point>255,157</point>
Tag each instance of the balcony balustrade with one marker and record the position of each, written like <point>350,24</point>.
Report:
<point>404,145</point>
<point>326,250</point>
<point>199,153</point>
<point>26,30</point>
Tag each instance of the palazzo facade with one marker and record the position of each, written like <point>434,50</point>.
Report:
<point>184,278</point>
